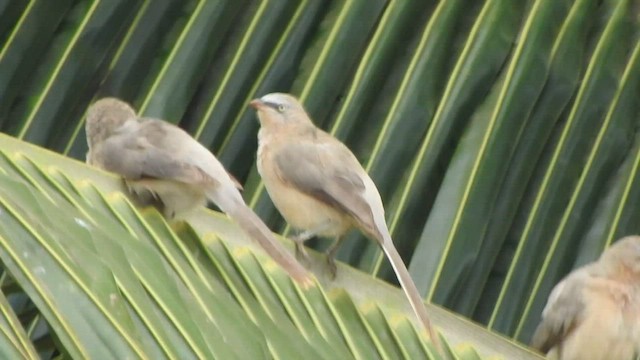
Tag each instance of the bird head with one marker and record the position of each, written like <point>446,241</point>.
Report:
<point>104,116</point>
<point>625,252</point>
<point>279,109</point>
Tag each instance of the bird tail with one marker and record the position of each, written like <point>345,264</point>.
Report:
<point>253,226</point>
<point>409,287</point>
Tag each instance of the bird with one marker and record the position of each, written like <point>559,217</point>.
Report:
<point>159,158</point>
<point>594,312</point>
<point>320,187</point>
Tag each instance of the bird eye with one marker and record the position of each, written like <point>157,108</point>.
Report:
<point>281,108</point>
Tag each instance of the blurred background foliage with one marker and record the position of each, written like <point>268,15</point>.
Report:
<point>502,134</point>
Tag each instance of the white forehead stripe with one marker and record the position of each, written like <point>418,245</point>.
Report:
<point>276,98</point>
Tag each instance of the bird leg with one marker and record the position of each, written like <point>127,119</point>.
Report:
<point>142,195</point>
<point>331,257</point>
<point>299,239</point>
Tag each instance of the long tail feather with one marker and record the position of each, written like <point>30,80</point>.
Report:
<point>256,229</point>
<point>410,289</point>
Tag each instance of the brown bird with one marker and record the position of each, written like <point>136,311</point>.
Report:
<point>594,312</point>
<point>319,186</point>
<point>156,157</point>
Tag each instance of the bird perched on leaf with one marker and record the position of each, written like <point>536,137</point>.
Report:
<point>594,312</point>
<point>154,156</point>
<point>319,186</point>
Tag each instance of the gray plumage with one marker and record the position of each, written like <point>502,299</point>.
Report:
<point>159,158</point>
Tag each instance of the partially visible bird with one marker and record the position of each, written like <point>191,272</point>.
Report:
<point>319,186</point>
<point>594,312</point>
<point>154,156</point>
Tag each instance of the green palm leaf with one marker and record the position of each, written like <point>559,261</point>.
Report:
<point>113,282</point>
<point>502,136</point>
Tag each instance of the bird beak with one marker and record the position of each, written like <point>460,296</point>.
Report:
<point>257,104</point>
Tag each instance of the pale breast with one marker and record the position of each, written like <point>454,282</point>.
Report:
<point>299,210</point>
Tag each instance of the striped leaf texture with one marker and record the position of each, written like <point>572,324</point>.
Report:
<point>502,135</point>
<point>89,276</point>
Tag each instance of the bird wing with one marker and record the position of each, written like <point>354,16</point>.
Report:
<point>130,153</point>
<point>563,311</point>
<point>174,140</point>
<point>327,171</point>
